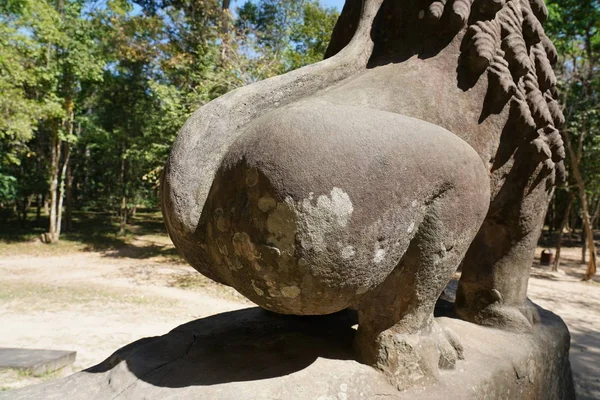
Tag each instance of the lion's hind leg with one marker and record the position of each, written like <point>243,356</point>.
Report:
<point>397,332</point>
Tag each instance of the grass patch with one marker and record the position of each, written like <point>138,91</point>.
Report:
<point>192,281</point>
<point>197,282</point>
<point>145,237</point>
<point>50,297</point>
<point>12,378</point>
<point>25,373</point>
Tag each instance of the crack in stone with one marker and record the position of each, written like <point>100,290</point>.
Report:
<point>187,351</point>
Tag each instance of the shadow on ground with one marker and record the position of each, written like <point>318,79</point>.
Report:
<point>238,346</point>
<point>569,269</point>
<point>578,306</point>
<point>585,351</point>
<point>570,239</point>
<point>98,232</point>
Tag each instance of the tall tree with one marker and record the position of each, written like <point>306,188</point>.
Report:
<point>285,35</point>
<point>92,94</point>
<point>563,224</point>
<point>74,55</point>
<point>574,27</point>
<point>27,83</point>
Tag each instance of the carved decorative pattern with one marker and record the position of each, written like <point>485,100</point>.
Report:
<point>555,111</point>
<point>490,7</point>
<point>436,9</point>
<point>537,102</point>
<point>546,77</point>
<point>500,80</point>
<point>484,42</point>
<point>539,9</point>
<point>461,9</point>
<point>532,28</point>
<point>550,50</point>
<point>511,18</point>
<point>506,38</point>
<point>516,54</point>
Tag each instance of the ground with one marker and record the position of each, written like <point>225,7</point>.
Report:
<point>96,295</point>
<point>578,303</point>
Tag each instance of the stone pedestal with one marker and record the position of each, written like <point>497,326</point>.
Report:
<point>254,354</point>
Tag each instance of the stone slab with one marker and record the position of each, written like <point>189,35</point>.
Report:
<point>254,354</point>
<point>35,361</point>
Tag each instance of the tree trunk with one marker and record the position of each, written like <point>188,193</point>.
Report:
<point>591,268</point>
<point>584,245</point>
<point>69,182</point>
<point>572,224</point>
<point>596,214</point>
<point>584,238</point>
<point>225,14</point>
<point>57,185</point>
<point>55,143</point>
<point>551,215</point>
<point>563,224</point>
<point>123,208</point>
<point>68,123</point>
<point>46,204</point>
<point>225,36</point>
<point>86,169</point>
<point>61,196</point>
<point>25,208</point>
<point>69,198</point>
<point>123,216</point>
<point>38,205</point>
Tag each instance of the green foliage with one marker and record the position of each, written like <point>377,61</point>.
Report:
<point>285,35</point>
<point>574,27</point>
<point>24,75</point>
<point>311,35</point>
<point>117,79</point>
<point>8,190</point>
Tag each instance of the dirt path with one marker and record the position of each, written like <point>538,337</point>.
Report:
<point>578,303</point>
<point>95,303</point>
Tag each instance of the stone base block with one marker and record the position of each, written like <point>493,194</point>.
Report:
<point>35,361</point>
<point>254,354</point>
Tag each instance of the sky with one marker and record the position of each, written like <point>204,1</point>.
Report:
<point>333,3</point>
<point>329,3</point>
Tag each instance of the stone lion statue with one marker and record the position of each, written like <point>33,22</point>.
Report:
<point>426,140</point>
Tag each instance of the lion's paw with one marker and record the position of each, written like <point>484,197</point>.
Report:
<point>408,359</point>
<point>513,319</point>
<point>449,345</point>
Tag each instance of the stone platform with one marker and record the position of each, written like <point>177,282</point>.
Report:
<point>35,361</point>
<point>254,354</point>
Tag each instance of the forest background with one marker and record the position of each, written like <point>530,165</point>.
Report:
<point>92,94</point>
